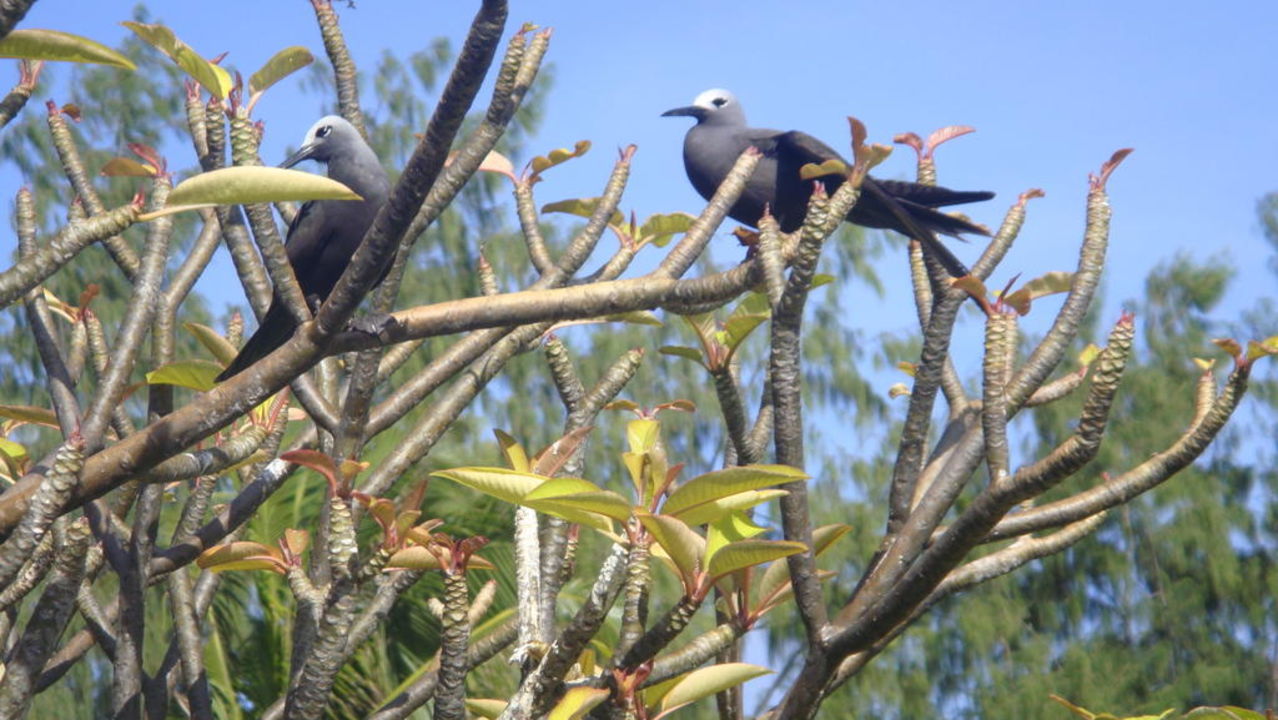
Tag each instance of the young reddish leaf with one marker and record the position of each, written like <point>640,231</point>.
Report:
<point>553,456</point>
<point>1230,346</point>
<point>623,405</point>
<point>495,162</point>
<point>296,541</point>
<point>972,285</point>
<point>317,461</point>
<point>242,555</point>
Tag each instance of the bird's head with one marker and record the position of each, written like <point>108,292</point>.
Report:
<point>712,107</point>
<point>329,136</point>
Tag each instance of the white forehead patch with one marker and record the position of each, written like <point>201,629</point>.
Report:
<point>714,99</point>
<point>328,121</point>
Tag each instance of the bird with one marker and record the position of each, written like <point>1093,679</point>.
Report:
<point>324,234</point>
<point>712,147</point>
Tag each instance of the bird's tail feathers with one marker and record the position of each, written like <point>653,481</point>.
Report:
<point>276,328</point>
<point>943,222</point>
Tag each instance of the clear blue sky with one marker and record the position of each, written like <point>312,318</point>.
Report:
<point>1052,89</point>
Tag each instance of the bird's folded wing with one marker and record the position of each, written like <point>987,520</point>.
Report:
<point>931,195</point>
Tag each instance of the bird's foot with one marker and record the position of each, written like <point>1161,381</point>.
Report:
<point>379,325</point>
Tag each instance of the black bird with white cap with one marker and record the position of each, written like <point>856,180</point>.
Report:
<point>712,147</point>
<point>324,234</point>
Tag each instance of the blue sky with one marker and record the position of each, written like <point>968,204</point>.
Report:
<point>1052,89</point>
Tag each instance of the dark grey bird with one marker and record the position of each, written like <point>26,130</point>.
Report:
<point>712,147</point>
<point>325,233</point>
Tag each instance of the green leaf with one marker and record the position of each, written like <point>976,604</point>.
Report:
<point>833,166</point>
<point>709,512</point>
<point>582,207</point>
<point>580,495</point>
<point>485,707</point>
<point>126,167</point>
<point>503,484</point>
<point>1089,354</point>
<point>577,702</point>
<point>281,65</point>
<point>55,45</point>
<point>13,456</point>
<point>515,454</point>
<point>707,681</point>
<point>542,163</point>
<point>636,317</point>
<point>30,414</point>
<point>214,79</point>
<point>660,228</point>
<point>1228,712</point>
<point>727,529</point>
<point>721,483</point>
<point>642,435</point>
<point>255,184</point>
<point>221,348</point>
<point>195,374</point>
<point>746,553</point>
<point>683,546</point>
<point>738,328</point>
<point>1042,286</point>
<point>681,351</point>
<point>413,557</point>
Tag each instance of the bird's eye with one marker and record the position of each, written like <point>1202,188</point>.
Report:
<point>719,101</point>
<point>323,131</point>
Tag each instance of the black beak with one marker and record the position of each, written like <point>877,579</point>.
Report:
<point>691,111</point>
<point>305,153</point>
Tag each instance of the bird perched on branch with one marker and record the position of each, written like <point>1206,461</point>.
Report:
<point>712,147</point>
<point>324,234</point>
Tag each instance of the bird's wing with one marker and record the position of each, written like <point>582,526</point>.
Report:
<point>931,195</point>
<point>307,236</point>
<point>804,148</point>
<point>792,151</point>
